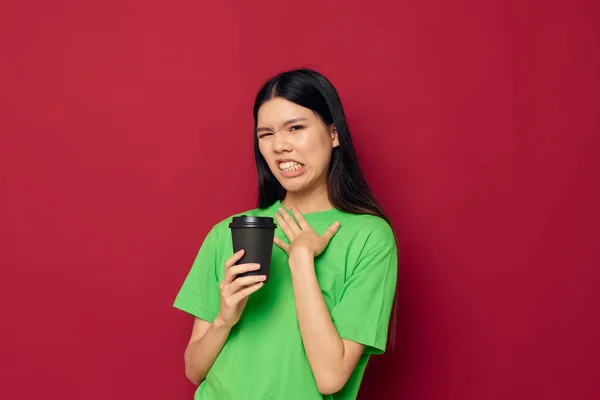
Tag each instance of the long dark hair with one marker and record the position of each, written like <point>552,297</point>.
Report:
<point>347,188</point>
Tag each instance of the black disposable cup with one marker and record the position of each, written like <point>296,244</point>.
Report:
<point>255,236</point>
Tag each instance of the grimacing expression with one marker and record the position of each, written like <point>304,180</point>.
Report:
<point>295,143</point>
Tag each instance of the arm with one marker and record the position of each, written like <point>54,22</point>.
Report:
<point>205,344</point>
<point>207,339</point>
<point>331,358</point>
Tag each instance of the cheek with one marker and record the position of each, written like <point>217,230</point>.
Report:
<point>324,152</point>
<point>315,146</point>
<point>262,148</point>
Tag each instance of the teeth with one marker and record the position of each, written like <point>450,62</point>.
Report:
<point>289,166</point>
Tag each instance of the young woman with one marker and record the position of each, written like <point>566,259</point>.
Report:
<point>309,331</point>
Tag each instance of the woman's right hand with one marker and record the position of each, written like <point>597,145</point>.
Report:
<point>235,292</point>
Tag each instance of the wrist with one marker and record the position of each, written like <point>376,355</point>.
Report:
<point>219,323</point>
<point>300,258</point>
<point>300,254</point>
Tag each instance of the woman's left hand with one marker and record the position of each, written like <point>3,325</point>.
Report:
<point>301,235</point>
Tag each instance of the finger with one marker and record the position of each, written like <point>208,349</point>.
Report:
<point>304,225</point>
<point>240,269</point>
<point>233,259</point>
<point>239,296</point>
<point>290,221</point>
<point>285,227</point>
<point>230,263</point>
<point>240,283</point>
<point>283,245</point>
<point>332,230</point>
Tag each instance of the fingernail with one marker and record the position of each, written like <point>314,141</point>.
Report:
<point>263,277</point>
<point>256,266</point>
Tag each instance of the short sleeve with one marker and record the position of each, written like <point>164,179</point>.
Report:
<point>363,311</point>
<point>200,295</point>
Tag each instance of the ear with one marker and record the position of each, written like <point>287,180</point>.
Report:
<point>334,136</point>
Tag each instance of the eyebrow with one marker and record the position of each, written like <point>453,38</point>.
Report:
<point>286,123</point>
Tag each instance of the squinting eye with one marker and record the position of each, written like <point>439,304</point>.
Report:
<point>296,127</point>
<point>263,135</point>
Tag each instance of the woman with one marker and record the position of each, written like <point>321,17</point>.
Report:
<point>307,333</point>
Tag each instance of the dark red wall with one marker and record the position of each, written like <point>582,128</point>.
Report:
<point>126,133</point>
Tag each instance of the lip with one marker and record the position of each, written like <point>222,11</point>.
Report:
<point>290,174</point>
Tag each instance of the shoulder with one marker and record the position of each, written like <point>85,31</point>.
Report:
<point>369,243</point>
<point>369,226</point>
<point>364,233</point>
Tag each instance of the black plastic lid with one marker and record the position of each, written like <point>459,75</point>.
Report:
<point>245,221</point>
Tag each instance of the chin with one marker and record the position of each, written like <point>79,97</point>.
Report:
<point>293,187</point>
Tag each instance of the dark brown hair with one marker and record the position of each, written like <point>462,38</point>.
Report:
<point>347,188</point>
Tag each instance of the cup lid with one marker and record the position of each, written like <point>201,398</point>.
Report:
<point>244,221</point>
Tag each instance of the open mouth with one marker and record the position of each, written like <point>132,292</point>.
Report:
<point>290,166</point>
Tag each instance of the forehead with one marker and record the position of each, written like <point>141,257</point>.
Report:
<point>278,110</point>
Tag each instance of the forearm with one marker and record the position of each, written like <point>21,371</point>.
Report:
<point>201,354</point>
<point>323,345</point>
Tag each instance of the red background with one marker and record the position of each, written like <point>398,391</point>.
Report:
<point>126,133</point>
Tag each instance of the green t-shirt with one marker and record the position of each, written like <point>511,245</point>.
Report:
<point>264,357</point>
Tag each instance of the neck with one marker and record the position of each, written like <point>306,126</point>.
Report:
<point>308,202</point>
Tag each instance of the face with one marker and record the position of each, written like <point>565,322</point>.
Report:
<point>296,144</point>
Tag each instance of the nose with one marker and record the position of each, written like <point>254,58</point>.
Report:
<point>281,144</point>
